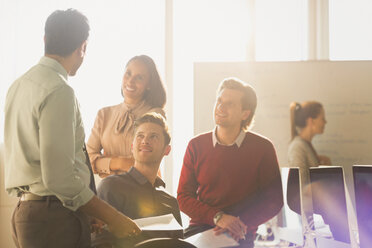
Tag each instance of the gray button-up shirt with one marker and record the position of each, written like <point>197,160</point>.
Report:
<point>44,137</point>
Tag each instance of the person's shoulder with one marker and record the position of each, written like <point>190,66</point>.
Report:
<point>205,135</point>
<point>298,139</point>
<point>45,82</point>
<point>113,182</point>
<point>117,178</point>
<point>297,142</point>
<point>257,138</point>
<point>47,78</point>
<point>201,143</point>
<point>110,109</point>
<point>298,145</point>
<point>202,138</point>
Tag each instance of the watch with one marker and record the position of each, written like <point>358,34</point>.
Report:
<point>217,217</point>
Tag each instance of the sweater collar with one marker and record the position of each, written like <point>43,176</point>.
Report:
<point>238,141</point>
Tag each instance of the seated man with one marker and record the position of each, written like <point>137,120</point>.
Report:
<point>136,192</point>
<point>230,177</point>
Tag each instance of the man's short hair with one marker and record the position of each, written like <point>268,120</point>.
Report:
<point>65,31</point>
<point>156,119</point>
<point>249,99</point>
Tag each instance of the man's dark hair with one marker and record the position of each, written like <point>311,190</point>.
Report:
<point>65,31</point>
<point>156,119</point>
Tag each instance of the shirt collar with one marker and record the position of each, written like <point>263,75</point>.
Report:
<point>132,107</point>
<point>141,179</point>
<point>54,64</point>
<point>238,141</point>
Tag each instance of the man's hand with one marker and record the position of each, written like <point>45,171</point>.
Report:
<point>96,225</point>
<point>119,224</point>
<point>218,230</point>
<point>123,227</point>
<point>236,228</point>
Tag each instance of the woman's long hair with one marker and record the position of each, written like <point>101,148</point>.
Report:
<point>155,95</point>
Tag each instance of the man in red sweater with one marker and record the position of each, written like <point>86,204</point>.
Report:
<point>230,177</point>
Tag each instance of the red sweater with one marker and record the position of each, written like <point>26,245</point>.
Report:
<point>244,178</point>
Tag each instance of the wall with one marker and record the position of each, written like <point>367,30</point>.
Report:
<point>344,88</point>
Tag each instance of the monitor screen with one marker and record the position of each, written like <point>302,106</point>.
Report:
<point>329,201</point>
<point>363,202</point>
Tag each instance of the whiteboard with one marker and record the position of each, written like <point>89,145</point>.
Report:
<point>344,88</point>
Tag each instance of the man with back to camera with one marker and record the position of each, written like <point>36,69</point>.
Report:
<point>137,193</point>
<point>45,164</point>
<point>230,177</point>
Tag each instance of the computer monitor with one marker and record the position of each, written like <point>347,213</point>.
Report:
<point>293,190</point>
<point>363,201</point>
<point>291,229</point>
<point>328,196</point>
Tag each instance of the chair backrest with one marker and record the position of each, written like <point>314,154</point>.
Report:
<point>328,196</point>
<point>164,243</point>
<point>363,201</point>
<point>293,190</point>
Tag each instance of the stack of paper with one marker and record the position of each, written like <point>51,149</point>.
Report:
<point>160,226</point>
<point>208,239</point>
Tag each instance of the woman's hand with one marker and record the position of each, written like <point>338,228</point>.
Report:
<point>324,160</point>
<point>121,164</point>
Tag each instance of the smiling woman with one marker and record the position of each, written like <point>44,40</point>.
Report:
<point>109,145</point>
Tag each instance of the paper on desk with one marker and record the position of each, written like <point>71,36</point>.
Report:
<point>208,239</point>
<point>162,222</point>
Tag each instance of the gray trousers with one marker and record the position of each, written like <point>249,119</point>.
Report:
<point>44,224</point>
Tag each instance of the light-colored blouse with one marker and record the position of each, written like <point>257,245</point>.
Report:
<point>302,154</point>
<point>113,132</point>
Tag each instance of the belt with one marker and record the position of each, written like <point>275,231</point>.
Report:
<point>33,197</point>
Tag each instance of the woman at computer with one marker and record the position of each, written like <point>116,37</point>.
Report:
<point>109,145</point>
<point>307,120</point>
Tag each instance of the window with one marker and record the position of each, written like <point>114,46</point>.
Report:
<point>350,25</point>
<point>213,30</point>
<point>281,30</point>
